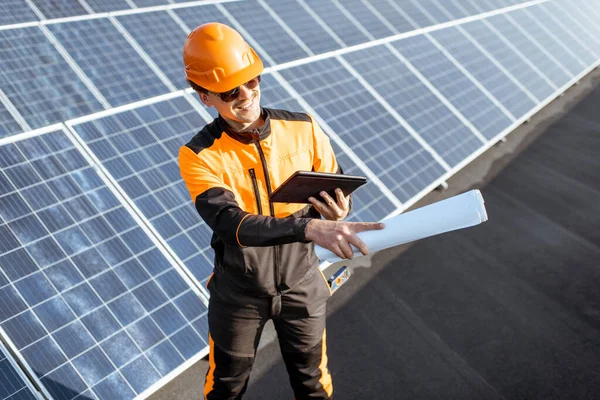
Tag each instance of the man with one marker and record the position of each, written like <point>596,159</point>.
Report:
<point>265,266</point>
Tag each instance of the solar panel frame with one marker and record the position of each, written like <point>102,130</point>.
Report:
<point>8,124</point>
<point>68,298</point>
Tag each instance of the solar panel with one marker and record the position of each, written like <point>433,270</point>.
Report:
<point>304,25</point>
<point>507,55</point>
<point>453,9</point>
<point>432,10</point>
<point>59,9</point>
<point>13,384</point>
<point>150,3</point>
<point>510,94</point>
<point>414,102</point>
<point>365,126</point>
<point>486,117</point>
<point>38,81</point>
<point>273,95</point>
<point>8,125</point>
<point>106,57</point>
<point>337,21</point>
<point>87,298</point>
<point>573,26</point>
<point>549,40</point>
<point>16,11</point>
<point>108,5</point>
<point>371,20</point>
<point>139,149</point>
<point>529,49</point>
<point>278,43</point>
<point>162,39</point>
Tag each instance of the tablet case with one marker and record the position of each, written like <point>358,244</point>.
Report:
<point>304,184</point>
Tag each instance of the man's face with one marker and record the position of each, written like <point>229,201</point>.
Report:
<point>243,109</point>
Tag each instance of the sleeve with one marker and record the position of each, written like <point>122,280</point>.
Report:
<point>217,206</point>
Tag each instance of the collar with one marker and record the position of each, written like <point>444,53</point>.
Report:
<point>246,137</point>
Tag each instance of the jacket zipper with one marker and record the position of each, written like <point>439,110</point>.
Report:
<point>256,192</point>
<point>276,272</point>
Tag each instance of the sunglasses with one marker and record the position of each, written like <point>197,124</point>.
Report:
<point>233,94</point>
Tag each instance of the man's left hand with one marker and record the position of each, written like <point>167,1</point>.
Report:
<point>333,210</point>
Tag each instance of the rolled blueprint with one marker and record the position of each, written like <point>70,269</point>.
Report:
<point>457,212</point>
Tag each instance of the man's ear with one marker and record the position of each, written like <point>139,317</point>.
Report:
<point>205,99</point>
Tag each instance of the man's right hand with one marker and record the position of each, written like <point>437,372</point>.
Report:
<point>338,236</point>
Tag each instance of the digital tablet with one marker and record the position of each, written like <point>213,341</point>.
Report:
<point>304,184</point>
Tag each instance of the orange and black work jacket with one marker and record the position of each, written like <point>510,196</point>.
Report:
<point>260,247</point>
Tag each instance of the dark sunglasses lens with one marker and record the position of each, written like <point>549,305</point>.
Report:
<point>232,94</point>
<point>229,95</point>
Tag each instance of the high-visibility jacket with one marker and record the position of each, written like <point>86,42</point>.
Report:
<point>259,246</point>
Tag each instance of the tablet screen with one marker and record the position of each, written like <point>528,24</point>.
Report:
<point>304,184</point>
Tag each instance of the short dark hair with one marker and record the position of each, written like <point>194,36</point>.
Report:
<point>197,88</point>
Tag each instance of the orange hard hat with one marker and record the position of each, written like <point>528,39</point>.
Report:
<point>218,59</point>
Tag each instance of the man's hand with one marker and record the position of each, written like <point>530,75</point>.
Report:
<point>333,210</point>
<point>338,236</point>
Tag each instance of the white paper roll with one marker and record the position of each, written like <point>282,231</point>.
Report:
<point>461,211</point>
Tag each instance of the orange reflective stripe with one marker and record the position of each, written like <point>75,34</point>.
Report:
<point>209,278</point>
<point>210,375</point>
<point>325,379</point>
<point>238,230</point>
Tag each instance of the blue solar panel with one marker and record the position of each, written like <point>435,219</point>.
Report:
<point>489,75</point>
<point>504,53</point>
<point>376,26</point>
<point>587,15</point>
<point>399,16</point>
<point>86,297</point>
<point>453,9</point>
<point>139,149</point>
<point>554,42</point>
<point>552,10</point>
<point>421,109</point>
<point>529,49</point>
<point>162,39</point>
<point>273,95</point>
<point>280,46</point>
<point>38,81</point>
<point>59,9</point>
<point>13,384</point>
<point>108,5</point>
<point>16,11</point>
<point>150,3</point>
<point>397,159</point>
<point>8,125</point>
<point>116,69</point>
<point>429,7</point>
<point>468,99</point>
<point>337,21</point>
<point>304,25</point>
<point>412,12</point>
